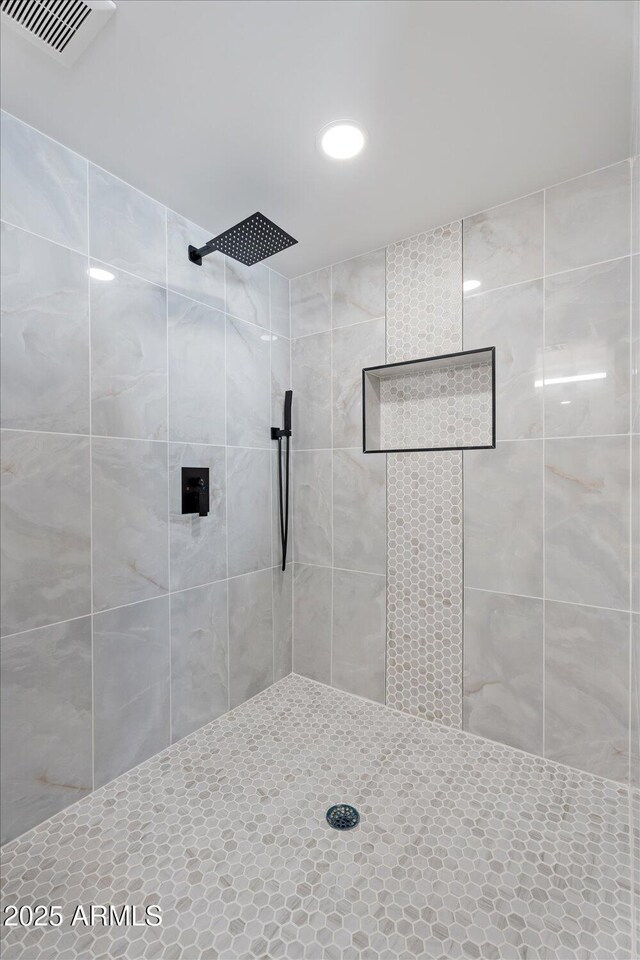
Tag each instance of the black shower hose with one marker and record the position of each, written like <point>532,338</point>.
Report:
<point>284,504</point>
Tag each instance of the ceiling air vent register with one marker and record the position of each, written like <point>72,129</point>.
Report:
<point>61,28</point>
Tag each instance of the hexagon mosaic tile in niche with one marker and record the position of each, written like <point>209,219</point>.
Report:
<point>465,848</point>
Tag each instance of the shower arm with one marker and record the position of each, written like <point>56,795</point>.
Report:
<point>197,253</point>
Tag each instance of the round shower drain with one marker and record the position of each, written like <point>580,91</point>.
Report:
<point>343,817</point>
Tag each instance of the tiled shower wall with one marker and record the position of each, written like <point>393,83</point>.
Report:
<point>339,493</point>
<point>551,529</point>
<point>126,625</point>
<point>548,529</point>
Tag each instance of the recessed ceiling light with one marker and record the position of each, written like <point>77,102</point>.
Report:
<point>342,139</point>
<point>471,285</point>
<point>96,273</point>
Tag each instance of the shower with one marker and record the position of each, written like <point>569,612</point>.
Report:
<point>283,482</point>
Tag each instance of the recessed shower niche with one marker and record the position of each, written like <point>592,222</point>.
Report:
<point>435,403</point>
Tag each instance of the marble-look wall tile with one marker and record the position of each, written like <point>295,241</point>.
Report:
<point>635,523</point>
<point>280,376</point>
<point>311,303</point>
<point>249,510</point>
<point>204,283</point>
<point>45,335</point>
<point>358,288</point>
<point>511,320</point>
<point>635,341</point>
<point>46,542</point>
<point>130,521</point>
<point>46,755</point>
<point>634,759</point>
<point>199,658</point>
<point>311,382</point>
<point>587,332</point>
<point>127,228</point>
<point>359,634</point>
<point>44,185</point>
<point>587,521</point>
<point>247,291</point>
<point>504,245</point>
<point>196,372</point>
<point>128,358</point>
<point>312,508</point>
<point>248,385</point>
<point>587,220</point>
<point>250,635</point>
<point>503,668</point>
<point>279,305</point>
<point>131,669</point>
<point>359,511</point>
<point>353,348</point>
<point>587,689</point>
<point>312,605</point>
<point>198,544</point>
<point>282,621</point>
<point>503,518</point>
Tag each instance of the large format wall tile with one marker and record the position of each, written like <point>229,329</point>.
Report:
<point>359,633</point>
<point>635,523</point>
<point>312,507</point>
<point>358,288</point>
<point>199,658</point>
<point>46,543</point>
<point>198,544</point>
<point>503,668</point>
<point>130,521</point>
<point>587,333</point>
<point>128,358</point>
<point>635,340</point>
<point>45,335</point>
<point>311,303</point>
<point>249,510</point>
<point>196,372</point>
<point>587,521</point>
<point>247,291</point>
<point>311,382</point>
<point>353,348</point>
<point>280,376</point>
<point>634,759</point>
<point>359,511</point>
<point>46,723</point>
<point>511,320</point>
<point>250,636</point>
<point>587,689</point>
<point>44,185</point>
<point>279,304</point>
<point>312,605</point>
<point>282,621</point>
<point>131,670</point>
<point>127,229</point>
<point>504,245</point>
<point>503,518</point>
<point>204,283</point>
<point>587,220</point>
<point>248,385</point>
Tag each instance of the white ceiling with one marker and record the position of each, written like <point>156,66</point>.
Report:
<point>213,107</point>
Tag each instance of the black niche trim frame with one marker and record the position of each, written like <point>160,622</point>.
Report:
<point>408,363</point>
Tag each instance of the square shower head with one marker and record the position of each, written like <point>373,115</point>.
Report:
<point>250,241</point>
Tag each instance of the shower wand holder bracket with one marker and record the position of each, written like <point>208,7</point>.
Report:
<point>277,433</point>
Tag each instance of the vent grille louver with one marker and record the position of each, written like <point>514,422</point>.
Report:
<point>54,22</point>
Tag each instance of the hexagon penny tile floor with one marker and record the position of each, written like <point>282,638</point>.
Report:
<point>465,848</point>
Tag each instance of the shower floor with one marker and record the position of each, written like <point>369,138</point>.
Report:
<point>465,848</point>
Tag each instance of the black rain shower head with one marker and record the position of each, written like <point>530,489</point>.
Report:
<point>250,241</point>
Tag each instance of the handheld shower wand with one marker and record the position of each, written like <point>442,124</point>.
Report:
<point>278,434</point>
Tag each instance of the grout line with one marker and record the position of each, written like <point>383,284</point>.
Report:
<point>331,400</point>
<point>226,485</point>
<point>326,566</point>
<point>332,329</point>
<point>543,731</point>
<point>93,697</point>
<point>166,279</point>
<point>271,478</point>
<point>546,276</point>
<point>568,603</point>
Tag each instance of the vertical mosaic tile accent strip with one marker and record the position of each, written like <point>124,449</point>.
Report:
<point>424,492</point>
